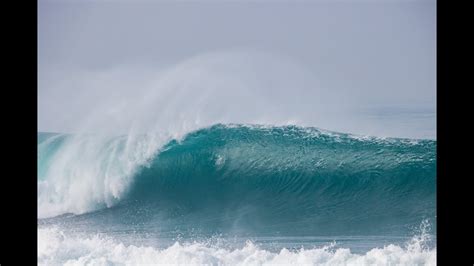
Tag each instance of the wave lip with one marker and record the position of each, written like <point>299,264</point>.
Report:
<point>86,172</point>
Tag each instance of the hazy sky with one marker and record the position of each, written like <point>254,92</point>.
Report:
<point>381,52</point>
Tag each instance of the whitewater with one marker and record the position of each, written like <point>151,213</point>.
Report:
<point>55,247</point>
<point>185,170</point>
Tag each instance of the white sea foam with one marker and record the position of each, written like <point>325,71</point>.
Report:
<point>57,248</point>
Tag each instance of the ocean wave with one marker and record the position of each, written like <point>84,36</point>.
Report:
<point>233,178</point>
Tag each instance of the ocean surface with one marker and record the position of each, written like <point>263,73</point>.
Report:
<point>234,194</point>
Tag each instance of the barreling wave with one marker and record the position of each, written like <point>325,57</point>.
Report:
<point>237,178</point>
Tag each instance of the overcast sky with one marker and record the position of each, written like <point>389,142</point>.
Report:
<point>381,52</point>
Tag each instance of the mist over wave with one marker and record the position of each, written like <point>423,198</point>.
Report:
<point>242,86</point>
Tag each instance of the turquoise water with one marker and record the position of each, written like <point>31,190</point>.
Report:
<point>278,187</point>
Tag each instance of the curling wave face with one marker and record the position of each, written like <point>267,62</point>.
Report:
<point>240,179</point>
